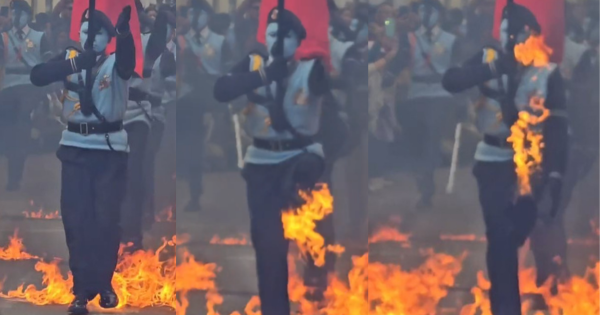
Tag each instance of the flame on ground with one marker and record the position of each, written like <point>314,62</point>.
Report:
<point>393,290</point>
<point>389,234</point>
<point>299,224</point>
<point>142,279</point>
<point>15,249</point>
<point>577,296</point>
<point>40,214</point>
<point>463,238</point>
<point>241,240</point>
<point>193,275</point>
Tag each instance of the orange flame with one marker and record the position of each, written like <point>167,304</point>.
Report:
<point>241,240</point>
<point>579,295</point>
<point>196,276</point>
<point>390,234</point>
<point>393,290</point>
<point>462,238</point>
<point>528,144</point>
<point>15,249</point>
<point>533,51</point>
<point>299,224</point>
<point>40,214</point>
<point>165,215</point>
<point>142,279</point>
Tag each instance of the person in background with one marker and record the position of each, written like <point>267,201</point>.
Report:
<point>433,51</point>
<point>203,56</point>
<point>62,11</point>
<point>25,48</point>
<point>245,26</point>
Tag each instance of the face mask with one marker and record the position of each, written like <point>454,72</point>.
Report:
<point>100,41</point>
<point>20,19</point>
<point>290,42</point>
<point>202,19</point>
<point>429,16</point>
<point>521,37</point>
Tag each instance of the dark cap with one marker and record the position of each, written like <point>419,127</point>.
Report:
<point>518,17</point>
<point>290,22</point>
<point>101,20</point>
<point>21,5</point>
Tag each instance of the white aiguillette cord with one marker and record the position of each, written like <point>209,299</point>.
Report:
<point>454,164</point>
<point>238,138</point>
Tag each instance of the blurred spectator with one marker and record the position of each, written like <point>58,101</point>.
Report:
<point>63,11</point>
<point>246,25</point>
<point>480,22</point>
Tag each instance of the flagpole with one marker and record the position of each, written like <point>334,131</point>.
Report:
<point>89,44</point>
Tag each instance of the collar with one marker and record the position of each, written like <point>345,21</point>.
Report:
<point>25,30</point>
<point>434,32</point>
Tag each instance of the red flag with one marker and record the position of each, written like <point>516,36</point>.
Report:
<point>314,15</point>
<point>551,16</point>
<point>112,9</point>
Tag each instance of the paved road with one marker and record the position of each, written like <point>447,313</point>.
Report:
<point>225,214</point>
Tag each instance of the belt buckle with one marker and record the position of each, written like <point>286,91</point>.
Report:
<point>83,129</point>
<point>276,145</point>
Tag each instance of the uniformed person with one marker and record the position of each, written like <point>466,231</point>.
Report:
<point>93,153</point>
<point>22,49</point>
<point>163,86</point>
<point>349,62</point>
<point>549,240</point>
<point>204,53</point>
<point>138,121</point>
<point>509,222</point>
<point>428,105</point>
<point>284,157</point>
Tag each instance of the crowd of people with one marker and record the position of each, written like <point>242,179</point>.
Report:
<point>398,82</point>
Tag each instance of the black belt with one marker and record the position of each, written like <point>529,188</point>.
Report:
<point>496,142</point>
<point>282,145</point>
<point>95,128</point>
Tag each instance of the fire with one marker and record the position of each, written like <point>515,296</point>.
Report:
<point>15,249</point>
<point>393,290</point>
<point>389,234</point>
<point>528,143</point>
<point>241,240</point>
<point>142,279</point>
<point>299,224</point>
<point>579,295</point>
<point>193,275</point>
<point>463,238</point>
<point>40,214</point>
<point>351,298</point>
<point>533,51</point>
<point>165,215</point>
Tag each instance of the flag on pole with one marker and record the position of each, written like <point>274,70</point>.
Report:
<point>551,16</point>
<point>314,15</point>
<point>112,9</point>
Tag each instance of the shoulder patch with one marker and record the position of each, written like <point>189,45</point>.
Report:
<point>489,55</point>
